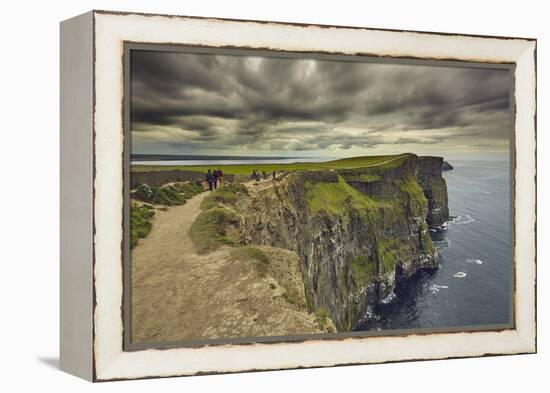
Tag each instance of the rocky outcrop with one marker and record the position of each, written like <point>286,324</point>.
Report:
<point>446,166</point>
<point>358,232</point>
<point>435,189</point>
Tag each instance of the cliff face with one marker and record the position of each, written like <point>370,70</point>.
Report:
<point>357,232</point>
<point>435,188</point>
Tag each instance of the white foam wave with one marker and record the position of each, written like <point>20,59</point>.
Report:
<point>443,244</point>
<point>435,288</point>
<point>476,261</point>
<point>468,219</point>
<point>459,275</point>
<point>389,298</point>
<point>462,220</point>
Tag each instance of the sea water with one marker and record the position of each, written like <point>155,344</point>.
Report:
<point>473,285</point>
<point>204,162</point>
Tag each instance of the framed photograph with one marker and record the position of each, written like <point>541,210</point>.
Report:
<point>246,195</point>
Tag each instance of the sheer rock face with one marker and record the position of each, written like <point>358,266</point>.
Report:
<point>357,231</point>
<point>435,189</point>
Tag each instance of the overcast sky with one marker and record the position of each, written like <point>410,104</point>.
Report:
<point>185,103</point>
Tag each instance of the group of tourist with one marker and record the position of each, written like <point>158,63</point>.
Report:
<point>256,175</point>
<point>213,178</point>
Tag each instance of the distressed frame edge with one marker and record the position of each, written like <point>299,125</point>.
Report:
<point>526,134</point>
<point>304,24</point>
<point>528,339</point>
<point>76,207</point>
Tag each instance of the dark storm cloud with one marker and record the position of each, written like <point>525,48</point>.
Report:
<point>191,102</point>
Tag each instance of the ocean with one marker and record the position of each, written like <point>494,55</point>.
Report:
<point>256,160</point>
<point>473,285</point>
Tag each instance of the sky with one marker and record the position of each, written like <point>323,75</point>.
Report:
<point>206,104</point>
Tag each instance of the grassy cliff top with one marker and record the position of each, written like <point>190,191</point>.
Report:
<point>387,161</point>
<point>336,198</point>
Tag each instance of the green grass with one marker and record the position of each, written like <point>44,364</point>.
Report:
<point>390,251</point>
<point>335,198</point>
<point>439,189</point>
<point>323,319</point>
<point>414,198</point>
<point>188,190</point>
<point>368,177</point>
<point>209,231</point>
<point>385,161</point>
<point>171,195</point>
<point>426,240</point>
<point>411,187</point>
<point>362,270</point>
<point>358,176</point>
<point>252,254</point>
<point>139,222</point>
<point>226,195</point>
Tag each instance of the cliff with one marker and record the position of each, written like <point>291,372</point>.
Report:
<point>357,232</point>
<point>435,189</point>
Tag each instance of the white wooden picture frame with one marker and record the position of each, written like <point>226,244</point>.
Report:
<point>92,198</point>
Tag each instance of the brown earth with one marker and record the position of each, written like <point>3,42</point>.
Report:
<point>177,294</point>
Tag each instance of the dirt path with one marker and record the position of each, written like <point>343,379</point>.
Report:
<point>177,294</point>
<point>385,161</point>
